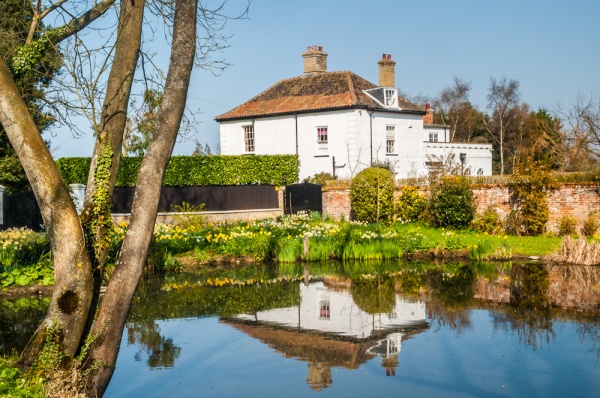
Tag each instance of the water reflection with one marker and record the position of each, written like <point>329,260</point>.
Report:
<point>334,317</point>
<point>161,351</point>
<point>337,327</point>
<point>19,319</point>
<point>532,318</point>
<point>450,292</point>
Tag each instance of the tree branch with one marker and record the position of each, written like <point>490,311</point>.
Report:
<point>84,20</point>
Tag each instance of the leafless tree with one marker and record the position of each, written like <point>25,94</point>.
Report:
<point>444,165</point>
<point>503,96</point>
<point>354,162</point>
<point>582,125</point>
<point>453,104</point>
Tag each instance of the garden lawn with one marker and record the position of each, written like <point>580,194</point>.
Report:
<point>520,245</point>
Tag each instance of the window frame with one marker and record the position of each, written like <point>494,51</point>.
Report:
<point>249,139</point>
<point>322,141</point>
<point>390,97</point>
<point>390,139</point>
<point>434,136</point>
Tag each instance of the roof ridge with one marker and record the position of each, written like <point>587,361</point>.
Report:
<point>351,88</point>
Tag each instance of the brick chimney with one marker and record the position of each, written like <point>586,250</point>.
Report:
<point>428,117</point>
<point>386,71</point>
<point>315,60</point>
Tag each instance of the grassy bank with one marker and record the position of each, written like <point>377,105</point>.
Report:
<point>25,259</point>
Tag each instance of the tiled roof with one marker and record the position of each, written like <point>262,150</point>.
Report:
<point>313,92</point>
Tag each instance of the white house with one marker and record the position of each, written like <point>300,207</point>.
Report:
<point>334,311</point>
<point>338,122</point>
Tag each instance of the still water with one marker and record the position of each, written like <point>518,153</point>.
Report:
<point>493,330</point>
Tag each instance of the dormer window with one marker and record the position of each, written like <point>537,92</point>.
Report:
<point>391,97</point>
<point>386,96</point>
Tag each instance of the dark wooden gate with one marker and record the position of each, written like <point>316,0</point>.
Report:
<point>21,210</point>
<point>303,197</point>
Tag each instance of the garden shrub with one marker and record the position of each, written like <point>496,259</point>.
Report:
<point>452,204</point>
<point>372,195</point>
<point>21,246</point>
<point>513,223</point>
<point>529,185</point>
<point>188,216</point>
<point>321,178</point>
<point>385,164</point>
<point>590,225</point>
<point>567,225</point>
<point>411,205</point>
<point>488,222</point>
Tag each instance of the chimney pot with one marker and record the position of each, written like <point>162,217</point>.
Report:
<point>427,105</point>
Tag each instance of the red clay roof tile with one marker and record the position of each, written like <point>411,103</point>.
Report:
<point>313,92</point>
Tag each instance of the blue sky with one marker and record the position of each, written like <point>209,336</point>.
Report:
<point>551,47</point>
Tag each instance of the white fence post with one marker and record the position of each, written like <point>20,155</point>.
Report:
<point>78,195</point>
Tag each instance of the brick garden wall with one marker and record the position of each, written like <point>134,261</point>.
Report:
<point>570,287</point>
<point>575,200</point>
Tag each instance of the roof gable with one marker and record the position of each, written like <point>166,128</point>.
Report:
<point>313,92</point>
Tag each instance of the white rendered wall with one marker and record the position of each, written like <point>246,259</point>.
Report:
<point>479,156</point>
<point>272,136</point>
<point>349,140</point>
<point>408,149</point>
<point>443,132</point>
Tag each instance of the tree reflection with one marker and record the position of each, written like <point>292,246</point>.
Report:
<point>590,331</point>
<point>374,294</point>
<point>532,316</point>
<point>451,292</point>
<point>161,351</point>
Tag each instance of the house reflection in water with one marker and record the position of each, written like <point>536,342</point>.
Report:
<point>329,329</point>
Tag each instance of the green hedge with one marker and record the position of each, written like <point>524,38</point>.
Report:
<point>197,170</point>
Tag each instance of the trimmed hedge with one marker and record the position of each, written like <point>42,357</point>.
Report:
<point>197,170</point>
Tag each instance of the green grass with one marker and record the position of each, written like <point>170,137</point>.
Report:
<point>282,239</point>
<point>465,239</point>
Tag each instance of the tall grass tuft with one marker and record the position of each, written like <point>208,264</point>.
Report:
<point>577,251</point>
<point>372,249</point>
<point>486,250</point>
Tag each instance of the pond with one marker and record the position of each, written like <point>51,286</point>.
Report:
<point>356,329</point>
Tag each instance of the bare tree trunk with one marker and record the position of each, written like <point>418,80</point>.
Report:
<point>112,126</point>
<point>72,294</point>
<point>116,101</point>
<point>130,263</point>
<point>120,81</point>
<point>501,140</point>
